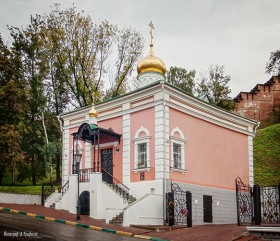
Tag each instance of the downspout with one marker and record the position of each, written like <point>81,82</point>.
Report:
<point>60,124</point>
<point>254,132</point>
<point>164,153</point>
<point>256,127</point>
<point>62,138</point>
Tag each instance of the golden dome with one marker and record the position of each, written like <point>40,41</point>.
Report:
<point>93,112</point>
<point>151,63</point>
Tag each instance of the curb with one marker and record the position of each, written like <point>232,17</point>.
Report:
<point>81,225</point>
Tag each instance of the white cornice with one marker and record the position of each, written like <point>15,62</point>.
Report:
<point>176,99</point>
<point>203,108</point>
<point>127,98</point>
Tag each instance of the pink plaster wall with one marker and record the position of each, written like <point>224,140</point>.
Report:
<point>214,155</point>
<point>146,119</point>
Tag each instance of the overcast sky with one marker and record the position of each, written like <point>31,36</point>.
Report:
<point>193,34</point>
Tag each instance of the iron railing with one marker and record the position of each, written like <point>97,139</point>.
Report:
<point>85,174</point>
<point>118,186</point>
<point>46,192</point>
<point>244,202</point>
<point>64,189</point>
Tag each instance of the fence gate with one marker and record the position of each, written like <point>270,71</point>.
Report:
<point>270,204</point>
<point>244,203</point>
<point>179,206</point>
<point>257,205</point>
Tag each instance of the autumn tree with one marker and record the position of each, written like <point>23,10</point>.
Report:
<point>182,78</point>
<point>273,64</point>
<point>215,84</point>
<point>11,110</point>
<point>27,44</point>
<point>90,52</point>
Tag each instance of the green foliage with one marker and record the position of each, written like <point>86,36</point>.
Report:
<point>182,78</point>
<point>22,189</point>
<point>267,156</point>
<point>81,56</point>
<point>215,84</point>
<point>11,112</point>
<point>55,63</point>
<point>273,64</point>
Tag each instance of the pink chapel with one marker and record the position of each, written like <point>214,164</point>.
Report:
<point>154,156</point>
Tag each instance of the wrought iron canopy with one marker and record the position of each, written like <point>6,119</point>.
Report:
<point>90,133</point>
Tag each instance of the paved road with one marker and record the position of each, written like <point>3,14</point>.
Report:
<point>21,228</point>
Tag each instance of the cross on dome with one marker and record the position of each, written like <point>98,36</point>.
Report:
<point>151,63</point>
<point>151,32</point>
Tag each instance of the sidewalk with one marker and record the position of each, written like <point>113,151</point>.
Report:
<point>227,232</point>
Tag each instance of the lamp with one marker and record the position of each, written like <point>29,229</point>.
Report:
<point>117,149</point>
<point>77,158</point>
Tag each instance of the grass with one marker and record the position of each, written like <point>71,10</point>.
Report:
<point>267,156</point>
<point>24,187</point>
<point>21,189</point>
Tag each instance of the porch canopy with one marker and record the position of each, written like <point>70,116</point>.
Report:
<point>96,136</point>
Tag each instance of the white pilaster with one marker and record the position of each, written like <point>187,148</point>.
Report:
<point>65,156</point>
<point>161,125</point>
<point>126,146</point>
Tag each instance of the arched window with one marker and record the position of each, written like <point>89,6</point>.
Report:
<point>178,162</point>
<point>142,150</point>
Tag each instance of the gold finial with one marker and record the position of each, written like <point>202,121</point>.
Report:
<point>151,32</point>
<point>93,112</point>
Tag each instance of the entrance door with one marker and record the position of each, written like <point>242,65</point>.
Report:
<point>84,202</point>
<point>107,165</point>
<point>207,209</point>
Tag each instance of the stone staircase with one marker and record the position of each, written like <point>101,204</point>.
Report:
<point>52,206</point>
<point>118,220</point>
<point>119,189</point>
<point>122,192</point>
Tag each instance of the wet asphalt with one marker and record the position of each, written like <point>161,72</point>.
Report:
<point>21,228</point>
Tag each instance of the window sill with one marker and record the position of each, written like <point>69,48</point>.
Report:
<point>144,169</point>
<point>178,170</point>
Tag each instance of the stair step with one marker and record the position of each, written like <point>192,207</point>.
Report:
<point>120,191</point>
<point>118,219</point>
<point>52,206</point>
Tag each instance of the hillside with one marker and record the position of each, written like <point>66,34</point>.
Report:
<point>267,156</point>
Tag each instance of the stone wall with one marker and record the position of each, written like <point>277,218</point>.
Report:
<point>20,198</point>
<point>223,203</point>
<point>259,103</point>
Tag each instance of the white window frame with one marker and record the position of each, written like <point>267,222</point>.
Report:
<point>140,140</point>
<point>179,141</point>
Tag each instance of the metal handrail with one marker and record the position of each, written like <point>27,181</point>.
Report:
<point>46,192</point>
<point>118,186</point>
<point>64,189</point>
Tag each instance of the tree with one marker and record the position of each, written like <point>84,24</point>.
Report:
<point>182,78</point>
<point>129,49</point>
<point>61,59</point>
<point>11,109</point>
<point>33,67</point>
<point>273,64</point>
<point>215,84</point>
<point>85,54</point>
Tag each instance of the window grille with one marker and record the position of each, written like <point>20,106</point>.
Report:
<point>142,155</point>
<point>177,155</point>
